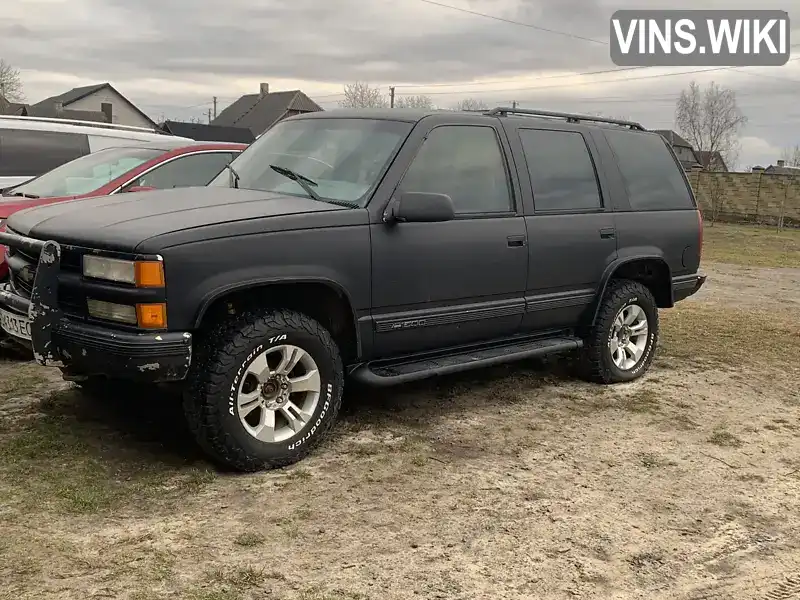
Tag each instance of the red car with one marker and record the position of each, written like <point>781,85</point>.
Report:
<point>159,165</point>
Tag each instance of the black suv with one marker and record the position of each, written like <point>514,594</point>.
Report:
<point>383,245</point>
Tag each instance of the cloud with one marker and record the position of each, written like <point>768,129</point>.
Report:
<point>758,151</point>
<point>171,57</point>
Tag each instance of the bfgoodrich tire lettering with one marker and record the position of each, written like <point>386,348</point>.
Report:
<point>225,366</point>
<point>622,297</point>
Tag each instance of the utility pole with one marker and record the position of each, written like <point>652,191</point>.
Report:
<point>391,96</point>
<point>209,116</point>
<point>514,104</point>
<point>215,107</point>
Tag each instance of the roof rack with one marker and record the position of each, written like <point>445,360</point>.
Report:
<point>99,124</point>
<point>570,118</point>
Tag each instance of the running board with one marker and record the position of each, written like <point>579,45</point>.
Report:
<point>394,372</point>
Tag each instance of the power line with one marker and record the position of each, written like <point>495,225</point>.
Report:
<point>513,22</point>
<point>566,75</point>
<point>560,76</point>
<point>531,26</point>
<point>581,83</point>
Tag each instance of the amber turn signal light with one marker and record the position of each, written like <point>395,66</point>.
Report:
<point>151,316</point>
<point>149,273</point>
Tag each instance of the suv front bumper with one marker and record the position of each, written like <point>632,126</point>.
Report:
<point>83,348</point>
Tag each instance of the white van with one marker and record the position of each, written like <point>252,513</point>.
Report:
<point>30,146</point>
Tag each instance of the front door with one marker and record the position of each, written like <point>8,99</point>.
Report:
<point>443,284</point>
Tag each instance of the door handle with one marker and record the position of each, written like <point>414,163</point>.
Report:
<point>608,233</point>
<point>516,241</point>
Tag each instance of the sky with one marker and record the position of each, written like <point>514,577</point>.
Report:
<point>171,57</point>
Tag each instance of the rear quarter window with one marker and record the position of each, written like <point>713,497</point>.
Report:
<point>29,152</point>
<point>652,176</point>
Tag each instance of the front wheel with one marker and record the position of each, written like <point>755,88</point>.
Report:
<point>265,389</point>
<point>622,343</point>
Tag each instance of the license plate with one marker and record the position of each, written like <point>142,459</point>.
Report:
<point>15,325</point>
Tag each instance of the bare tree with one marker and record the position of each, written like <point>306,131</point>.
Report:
<point>471,104</point>
<point>362,95</point>
<point>791,156</point>
<point>716,195</point>
<point>711,121</point>
<point>10,84</point>
<point>418,101</point>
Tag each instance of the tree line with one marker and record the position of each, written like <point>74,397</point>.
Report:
<point>364,95</point>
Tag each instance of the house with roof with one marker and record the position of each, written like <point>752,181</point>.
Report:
<point>781,168</point>
<point>258,112</point>
<point>683,150</point>
<point>99,102</point>
<point>712,161</point>
<point>50,112</point>
<point>203,132</point>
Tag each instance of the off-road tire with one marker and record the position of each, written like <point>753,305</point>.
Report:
<point>210,399</point>
<point>597,364</point>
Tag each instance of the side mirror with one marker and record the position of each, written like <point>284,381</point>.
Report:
<point>140,188</point>
<point>420,207</point>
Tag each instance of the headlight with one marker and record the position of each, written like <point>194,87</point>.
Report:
<point>141,273</point>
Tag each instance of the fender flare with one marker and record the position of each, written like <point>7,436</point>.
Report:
<point>222,291</point>
<point>614,267</point>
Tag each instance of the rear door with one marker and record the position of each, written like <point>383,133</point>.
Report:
<point>570,224</point>
<point>657,217</point>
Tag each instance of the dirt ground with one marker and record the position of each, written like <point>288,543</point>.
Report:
<point>516,482</point>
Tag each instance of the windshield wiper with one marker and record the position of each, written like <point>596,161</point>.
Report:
<point>301,180</point>
<point>23,195</point>
<point>234,177</point>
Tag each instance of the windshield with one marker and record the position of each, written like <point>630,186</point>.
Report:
<point>344,158</point>
<point>85,174</point>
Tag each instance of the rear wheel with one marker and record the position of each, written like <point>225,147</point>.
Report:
<point>622,343</point>
<point>265,389</point>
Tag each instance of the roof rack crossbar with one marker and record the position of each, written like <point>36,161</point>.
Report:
<point>570,118</point>
<point>82,123</point>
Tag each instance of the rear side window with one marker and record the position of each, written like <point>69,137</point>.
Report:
<point>653,178</point>
<point>193,170</point>
<point>561,170</point>
<point>28,152</point>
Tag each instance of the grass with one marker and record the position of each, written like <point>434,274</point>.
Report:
<point>723,437</point>
<point>249,539</point>
<point>242,577</point>
<point>27,379</point>
<point>57,463</point>
<point>729,336</point>
<point>751,246</point>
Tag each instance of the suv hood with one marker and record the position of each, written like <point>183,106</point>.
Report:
<point>125,220</point>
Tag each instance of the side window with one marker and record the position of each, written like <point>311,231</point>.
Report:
<point>188,171</point>
<point>466,163</point>
<point>30,152</point>
<point>561,169</point>
<point>653,178</point>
